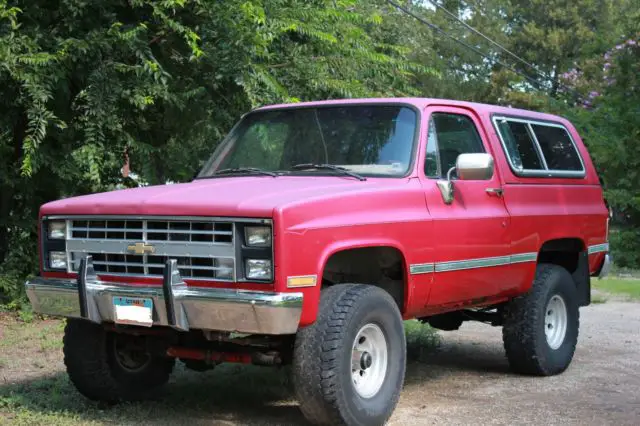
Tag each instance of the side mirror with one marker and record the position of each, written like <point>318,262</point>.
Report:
<point>474,166</point>
<point>468,167</point>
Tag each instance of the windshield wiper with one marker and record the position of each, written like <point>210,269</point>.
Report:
<point>308,166</point>
<point>240,170</point>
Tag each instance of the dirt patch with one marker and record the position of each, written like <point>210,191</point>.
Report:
<point>468,381</point>
<point>465,381</point>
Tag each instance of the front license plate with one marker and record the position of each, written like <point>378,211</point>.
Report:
<point>133,310</point>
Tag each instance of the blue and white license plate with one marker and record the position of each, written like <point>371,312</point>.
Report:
<point>133,310</point>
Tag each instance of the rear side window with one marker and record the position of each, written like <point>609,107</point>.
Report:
<point>539,149</point>
<point>520,145</point>
<point>557,148</point>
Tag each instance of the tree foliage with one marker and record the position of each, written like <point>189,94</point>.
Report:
<point>610,119</point>
<point>84,85</point>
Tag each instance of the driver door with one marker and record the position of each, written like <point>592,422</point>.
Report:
<point>471,237</point>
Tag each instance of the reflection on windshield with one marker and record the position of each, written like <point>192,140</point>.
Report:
<point>366,139</point>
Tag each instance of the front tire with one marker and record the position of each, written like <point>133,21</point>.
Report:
<point>349,366</point>
<point>541,327</point>
<point>111,367</point>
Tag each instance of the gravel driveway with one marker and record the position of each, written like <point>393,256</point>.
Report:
<point>465,381</point>
<point>468,382</point>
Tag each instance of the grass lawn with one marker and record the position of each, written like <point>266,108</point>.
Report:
<point>625,287</point>
<point>35,389</point>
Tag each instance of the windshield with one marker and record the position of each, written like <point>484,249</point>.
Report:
<point>371,140</point>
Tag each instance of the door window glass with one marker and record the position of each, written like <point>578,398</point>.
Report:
<point>449,136</point>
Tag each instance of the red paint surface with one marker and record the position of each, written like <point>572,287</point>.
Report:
<point>317,216</point>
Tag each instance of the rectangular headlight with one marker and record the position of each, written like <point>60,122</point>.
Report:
<point>258,269</point>
<point>57,230</point>
<point>57,260</point>
<point>257,236</point>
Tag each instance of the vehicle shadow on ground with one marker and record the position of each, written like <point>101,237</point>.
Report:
<point>234,395</point>
<point>458,356</point>
<point>230,394</point>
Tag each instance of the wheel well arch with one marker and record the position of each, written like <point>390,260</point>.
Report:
<point>563,252</point>
<point>570,253</point>
<point>382,266</point>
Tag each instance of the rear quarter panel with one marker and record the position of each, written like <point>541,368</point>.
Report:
<point>547,208</point>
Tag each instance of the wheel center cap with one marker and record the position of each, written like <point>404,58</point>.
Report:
<point>366,360</point>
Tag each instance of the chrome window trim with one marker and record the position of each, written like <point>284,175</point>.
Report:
<point>547,173</point>
<point>536,145</point>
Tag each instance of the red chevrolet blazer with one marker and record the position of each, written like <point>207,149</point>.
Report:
<point>312,232</point>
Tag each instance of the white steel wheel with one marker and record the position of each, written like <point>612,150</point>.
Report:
<point>555,322</point>
<point>369,359</point>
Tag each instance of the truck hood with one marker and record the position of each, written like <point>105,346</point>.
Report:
<point>245,196</point>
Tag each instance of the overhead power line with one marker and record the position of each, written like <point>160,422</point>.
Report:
<point>462,43</point>
<point>495,43</point>
<point>504,49</point>
<point>439,30</point>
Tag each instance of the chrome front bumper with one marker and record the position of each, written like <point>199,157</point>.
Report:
<point>174,304</point>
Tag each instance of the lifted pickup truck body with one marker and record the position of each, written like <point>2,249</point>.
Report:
<point>456,210</point>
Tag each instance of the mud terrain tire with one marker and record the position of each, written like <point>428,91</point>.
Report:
<point>94,369</point>
<point>350,317</point>
<point>530,344</point>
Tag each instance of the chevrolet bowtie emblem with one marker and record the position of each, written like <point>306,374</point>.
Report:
<point>141,248</point>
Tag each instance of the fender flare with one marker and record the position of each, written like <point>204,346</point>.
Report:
<point>342,245</point>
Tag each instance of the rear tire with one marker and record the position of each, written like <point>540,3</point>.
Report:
<point>110,367</point>
<point>540,332</point>
<point>349,366</point>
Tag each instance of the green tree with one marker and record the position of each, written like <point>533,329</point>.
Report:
<point>610,122</point>
<point>543,39</point>
<point>84,83</point>
<point>554,34</point>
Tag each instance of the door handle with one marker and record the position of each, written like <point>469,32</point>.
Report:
<point>495,191</point>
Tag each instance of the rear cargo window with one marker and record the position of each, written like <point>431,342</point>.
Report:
<point>520,145</point>
<point>557,148</point>
<point>539,148</point>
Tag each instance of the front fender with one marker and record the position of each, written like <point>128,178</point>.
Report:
<point>314,263</point>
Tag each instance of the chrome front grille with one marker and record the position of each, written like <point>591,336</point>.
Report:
<point>190,267</point>
<point>153,230</point>
<point>204,249</point>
